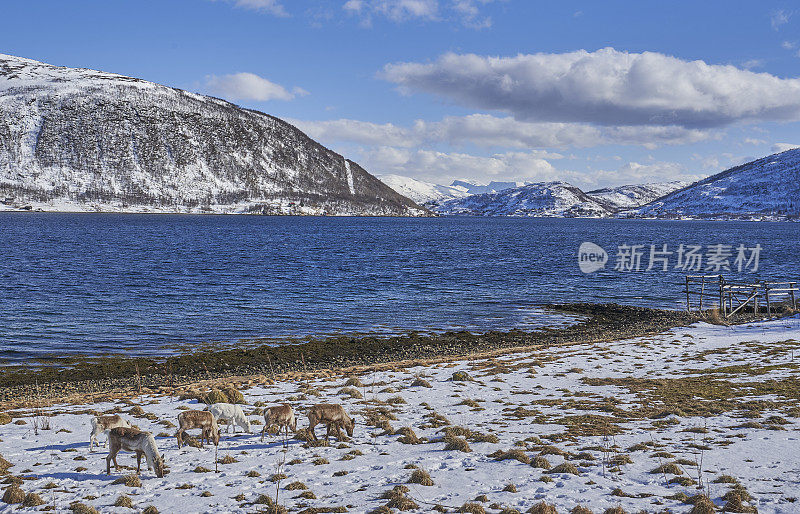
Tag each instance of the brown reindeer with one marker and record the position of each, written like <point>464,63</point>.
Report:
<point>102,424</point>
<point>201,419</point>
<point>281,415</point>
<point>330,415</point>
<point>134,440</point>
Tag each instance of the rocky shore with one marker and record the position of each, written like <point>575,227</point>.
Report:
<point>71,376</point>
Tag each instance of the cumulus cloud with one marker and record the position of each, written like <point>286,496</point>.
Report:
<point>445,167</point>
<point>638,173</point>
<point>249,86</point>
<point>605,87</point>
<point>782,147</point>
<point>489,131</point>
<point>467,12</point>
<point>273,7</point>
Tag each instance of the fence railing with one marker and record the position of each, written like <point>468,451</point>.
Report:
<point>710,291</point>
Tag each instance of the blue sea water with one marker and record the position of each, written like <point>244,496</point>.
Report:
<point>96,283</point>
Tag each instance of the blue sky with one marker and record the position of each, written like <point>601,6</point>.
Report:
<point>594,93</point>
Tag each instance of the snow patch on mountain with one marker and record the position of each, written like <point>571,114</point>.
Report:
<point>423,193</point>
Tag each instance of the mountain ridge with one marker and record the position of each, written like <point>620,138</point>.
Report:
<point>77,139</point>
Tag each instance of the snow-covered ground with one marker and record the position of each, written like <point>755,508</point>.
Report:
<point>725,398</point>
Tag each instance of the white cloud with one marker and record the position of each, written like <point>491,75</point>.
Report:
<point>605,87</point>
<point>637,173</point>
<point>752,63</point>
<point>395,10</point>
<point>782,147</point>
<point>444,167</point>
<point>249,86</point>
<point>273,7</point>
<point>489,131</point>
<point>753,141</point>
<point>467,12</point>
<point>779,18</point>
<point>788,45</point>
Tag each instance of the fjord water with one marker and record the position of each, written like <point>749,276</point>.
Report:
<point>98,283</point>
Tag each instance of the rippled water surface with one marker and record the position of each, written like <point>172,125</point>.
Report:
<point>89,283</point>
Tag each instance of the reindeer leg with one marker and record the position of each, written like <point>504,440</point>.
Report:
<point>108,464</point>
<point>138,461</point>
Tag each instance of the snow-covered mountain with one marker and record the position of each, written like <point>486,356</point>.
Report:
<point>78,139</point>
<point>423,193</point>
<point>543,199</point>
<point>476,188</point>
<point>633,196</point>
<point>767,188</point>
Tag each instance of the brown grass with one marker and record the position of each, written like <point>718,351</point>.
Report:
<point>131,480</point>
<point>421,477</point>
<point>543,508</point>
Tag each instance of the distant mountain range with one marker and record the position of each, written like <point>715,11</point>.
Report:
<point>764,189</point>
<point>84,140</point>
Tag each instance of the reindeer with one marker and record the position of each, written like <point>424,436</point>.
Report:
<point>281,415</point>
<point>201,419</point>
<point>232,414</point>
<point>330,415</point>
<point>134,440</point>
<point>102,424</point>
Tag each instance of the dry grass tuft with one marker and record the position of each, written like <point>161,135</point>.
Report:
<point>253,474</point>
<point>515,454</point>
<point>615,510</point>
<point>540,462</point>
<point>13,494</point>
<point>565,467</point>
<point>228,459</point>
<point>295,486</point>
<point>81,508</point>
<point>124,501</point>
<point>421,477</point>
<point>201,469</point>
<point>703,505</point>
<point>461,376</point>
<point>353,382</point>
<point>670,468</point>
<point>472,508</point>
<point>420,382</point>
<point>407,436</point>
<point>510,488</point>
<point>580,509</point>
<point>131,480</point>
<point>543,508</point>
<point>150,509</point>
<point>4,465</point>
<point>32,500</point>
<point>457,444</point>
<point>352,392</point>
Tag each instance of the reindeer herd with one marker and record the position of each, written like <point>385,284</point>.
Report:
<point>122,436</point>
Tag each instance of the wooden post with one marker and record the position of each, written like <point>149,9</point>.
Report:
<point>688,305</point>
<point>766,297</point>
<point>722,295</point>
<point>702,291</point>
<point>794,301</point>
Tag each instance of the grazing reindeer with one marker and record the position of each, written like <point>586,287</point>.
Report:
<point>102,424</point>
<point>281,415</point>
<point>201,419</point>
<point>330,415</point>
<point>133,440</point>
<point>232,414</point>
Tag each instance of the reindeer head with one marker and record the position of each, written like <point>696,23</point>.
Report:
<point>159,465</point>
<point>349,425</point>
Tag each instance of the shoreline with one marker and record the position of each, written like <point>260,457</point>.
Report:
<point>103,374</point>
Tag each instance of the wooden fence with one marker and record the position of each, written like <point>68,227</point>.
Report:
<point>713,291</point>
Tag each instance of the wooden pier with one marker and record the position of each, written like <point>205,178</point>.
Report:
<point>714,291</point>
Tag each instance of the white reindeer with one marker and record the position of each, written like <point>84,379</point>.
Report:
<point>133,440</point>
<point>232,414</point>
<point>102,425</point>
<point>281,415</point>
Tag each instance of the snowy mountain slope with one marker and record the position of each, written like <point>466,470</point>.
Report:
<point>78,139</point>
<point>543,199</point>
<point>423,193</point>
<point>476,188</point>
<point>767,188</point>
<point>633,196</point>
